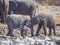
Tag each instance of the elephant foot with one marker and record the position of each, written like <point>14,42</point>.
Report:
<point>49,34</point>
<point>45,34</point>
<point>10,34</point>
<point>32,34</point>
<point>37,35</point>
<point>22,35</point>
<point>54,34</point>
<point>2,22</point>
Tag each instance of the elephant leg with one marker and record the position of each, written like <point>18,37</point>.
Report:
<point>54,30</point>
<point>21,32</point>
<point>22,28</point>
<point>2,17</point>
<point>39,27</point>
<point>49,30</point>
<point>24,32</point>
<point>44,27</point>
<point>32,31</point>
<point>10,32</point>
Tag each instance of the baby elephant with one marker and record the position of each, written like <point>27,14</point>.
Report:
<point>46,20</point>
<point>43,20</point>
<point>15,21</point>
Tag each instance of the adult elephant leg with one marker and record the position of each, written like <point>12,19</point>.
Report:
<point>39,27</point>
<point>2,16</point>
<point>6,10</point>
<point>6,2</point>
<point>2,19</point>
<point>49,30</point>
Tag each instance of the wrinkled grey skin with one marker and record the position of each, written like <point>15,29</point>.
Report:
<point>24,7</point>
<point>4,7</point>
<point>1,10</point>
<point>43,20</point>
<point>6,3</point>
<point>15,21</point>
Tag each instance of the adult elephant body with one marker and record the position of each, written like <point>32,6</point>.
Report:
<point>24,7</point>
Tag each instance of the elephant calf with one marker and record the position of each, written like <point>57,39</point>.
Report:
<point>48,20</point>
<point>15,21</point>
<point>43,20</point>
